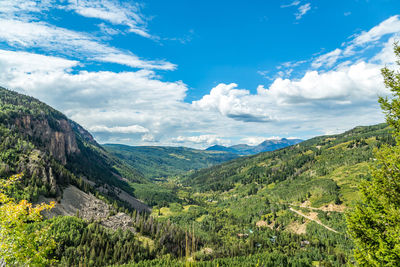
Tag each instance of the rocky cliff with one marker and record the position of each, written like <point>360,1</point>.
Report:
<point>59,140</point>
<point>54,153</point>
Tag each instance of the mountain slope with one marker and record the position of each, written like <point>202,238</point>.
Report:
<point>101,215</point>
<point>324,162</point>
<point>155,162</point>
<point>267,145</point>
<point>54,152</point>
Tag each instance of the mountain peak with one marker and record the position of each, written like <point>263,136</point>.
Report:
<point>267,145</point>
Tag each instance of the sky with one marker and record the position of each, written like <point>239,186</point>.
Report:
<point>200,73</point>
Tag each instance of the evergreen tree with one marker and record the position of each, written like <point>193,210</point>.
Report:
<point>374,223</point>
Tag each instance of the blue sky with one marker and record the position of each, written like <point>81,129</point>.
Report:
<point>198,73</point>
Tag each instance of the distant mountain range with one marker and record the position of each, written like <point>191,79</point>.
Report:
<point>158,161</point>
<point>267,145</point>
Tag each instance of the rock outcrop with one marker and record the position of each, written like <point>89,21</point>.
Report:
<point>57,136</point>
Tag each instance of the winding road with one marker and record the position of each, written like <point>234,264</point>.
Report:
<point>311,219</point>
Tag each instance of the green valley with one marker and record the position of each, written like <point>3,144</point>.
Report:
<point>160,162</point>
<point>243,206</point>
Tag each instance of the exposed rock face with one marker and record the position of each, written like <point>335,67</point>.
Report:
<point>88,207</point>
<point>58,139</point>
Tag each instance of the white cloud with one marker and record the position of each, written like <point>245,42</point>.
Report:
<point>388,26</point>
<point>231,102</point>
<point>294,3</point>
<point>343,97</point>
<point>17,63</point>
<point>97,99</point>
<point>354,83</point>
<point>148,138</point>
<point>328,59</point>
<point>23,9</point>
<point>97,90</point>
<point>205,139</point>
<point>391,25</point>
<point>292,64</point>
<point>287,99</point>
<point>386,56</point>
<point>41,35</point>
<point>119,129</point>
<point>114,12</point>
<point>256,140</point>
<point>303,9</point>
<point>108,30</point>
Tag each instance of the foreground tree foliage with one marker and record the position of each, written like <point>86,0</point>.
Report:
<point>374,224</point>
<point>22,240</point>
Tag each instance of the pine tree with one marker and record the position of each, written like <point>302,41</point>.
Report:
<point>374,223</point>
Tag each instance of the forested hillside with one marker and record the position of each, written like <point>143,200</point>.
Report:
<point>160,162</point>
<point>323,162</point>
<point>287,205</point>
<point>53,151</point>
<point>58,160</point>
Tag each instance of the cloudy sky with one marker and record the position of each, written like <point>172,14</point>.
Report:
<point>198,73</point>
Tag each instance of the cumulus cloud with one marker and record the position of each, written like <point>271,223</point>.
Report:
<point>233,103</point>
<point>101,101</point>
<point>207,139</point>
<point>17,63</point>
<point>119,129</point>
<point>350,85</point>
<point>89,89</point>
<point>354,83</point>
<point>331,94</point>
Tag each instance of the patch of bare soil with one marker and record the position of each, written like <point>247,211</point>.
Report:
<point>297,228</point>
<point>331,207</point>
<point>262,224</point>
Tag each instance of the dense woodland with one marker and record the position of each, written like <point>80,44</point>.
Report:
<point>262,188</point>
